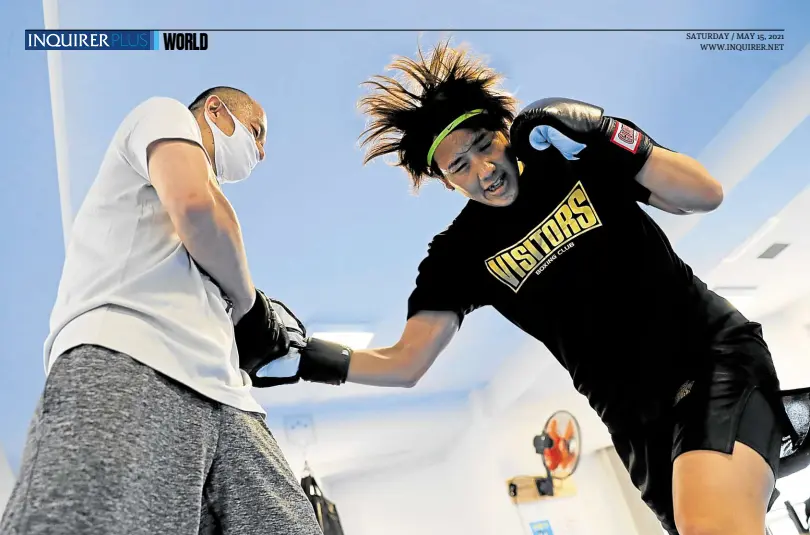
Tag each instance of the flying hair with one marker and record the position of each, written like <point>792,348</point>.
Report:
<point>408,110</point>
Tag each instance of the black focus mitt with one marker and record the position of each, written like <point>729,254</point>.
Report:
<point>261,335</point>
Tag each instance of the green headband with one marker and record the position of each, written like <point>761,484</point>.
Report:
<point>447,130</point>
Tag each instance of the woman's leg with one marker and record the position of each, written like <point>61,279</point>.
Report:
<point>719,494</point>
<point>727,450</point>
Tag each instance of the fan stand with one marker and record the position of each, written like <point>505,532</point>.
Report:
<point>545,485</point>
<point>524,489</point>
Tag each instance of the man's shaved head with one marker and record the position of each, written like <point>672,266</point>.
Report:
<point>230,96</point>
<point>244,109</point>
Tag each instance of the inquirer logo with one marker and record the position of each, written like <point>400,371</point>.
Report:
<point>91,40</point>
<point>574,216</point>
<point>114,40</point>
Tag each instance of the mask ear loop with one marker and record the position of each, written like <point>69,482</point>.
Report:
<point>237,125</point>
<point>212,125</point>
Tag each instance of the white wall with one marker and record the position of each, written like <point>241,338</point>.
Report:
<point>787,333</point>
<point>645,522</point>
<point>406,500</point>
<point>466,491</point>
<point>598,495</point>
<point>375,435</point>
<point>6,481</point>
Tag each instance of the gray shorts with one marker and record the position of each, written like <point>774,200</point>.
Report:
<point>117,448</point>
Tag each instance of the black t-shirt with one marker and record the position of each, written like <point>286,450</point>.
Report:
<point>579,265</point>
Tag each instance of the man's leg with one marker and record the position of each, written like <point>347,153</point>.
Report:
<point>727,450</point>
<point>251,489</point>
<point>114,448</point>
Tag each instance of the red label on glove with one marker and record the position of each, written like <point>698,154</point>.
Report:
<point>626,137</point>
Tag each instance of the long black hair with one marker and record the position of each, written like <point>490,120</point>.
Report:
<point>406,112</point>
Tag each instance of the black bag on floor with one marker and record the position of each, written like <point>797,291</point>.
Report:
<point>795,454</point>
<point>325,511</point>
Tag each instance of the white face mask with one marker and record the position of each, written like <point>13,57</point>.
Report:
<point>235,155</point>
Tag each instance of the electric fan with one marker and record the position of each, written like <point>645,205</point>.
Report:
<point>560,446</point>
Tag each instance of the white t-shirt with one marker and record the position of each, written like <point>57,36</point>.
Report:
<point>128,283</point>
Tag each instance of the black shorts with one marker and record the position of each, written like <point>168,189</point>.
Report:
<point>708,415</point>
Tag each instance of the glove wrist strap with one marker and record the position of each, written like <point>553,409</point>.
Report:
<point>325,362</point>
<point>626,143</point>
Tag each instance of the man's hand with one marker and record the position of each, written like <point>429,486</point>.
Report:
<point>261,335</point>
<point>578,130</point>
<point>294,327</point>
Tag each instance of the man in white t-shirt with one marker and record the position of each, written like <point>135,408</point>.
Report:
<point>147,424</point>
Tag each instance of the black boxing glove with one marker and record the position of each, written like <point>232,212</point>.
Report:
<point>296,335</point>
<point>319,361</point>
<point>324,362</point>
<point>579,131</point>
<point>260,335</point>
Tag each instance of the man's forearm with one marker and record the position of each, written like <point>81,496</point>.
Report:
<point>212,236</point>
<point>382,367</point>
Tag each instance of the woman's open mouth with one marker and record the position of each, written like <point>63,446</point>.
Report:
<point>497,186</point>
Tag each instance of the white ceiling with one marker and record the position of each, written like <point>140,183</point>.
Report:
<point>750,130</point>
<point>762,286</point>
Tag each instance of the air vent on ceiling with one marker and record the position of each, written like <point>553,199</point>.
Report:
<point>773,250</point>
